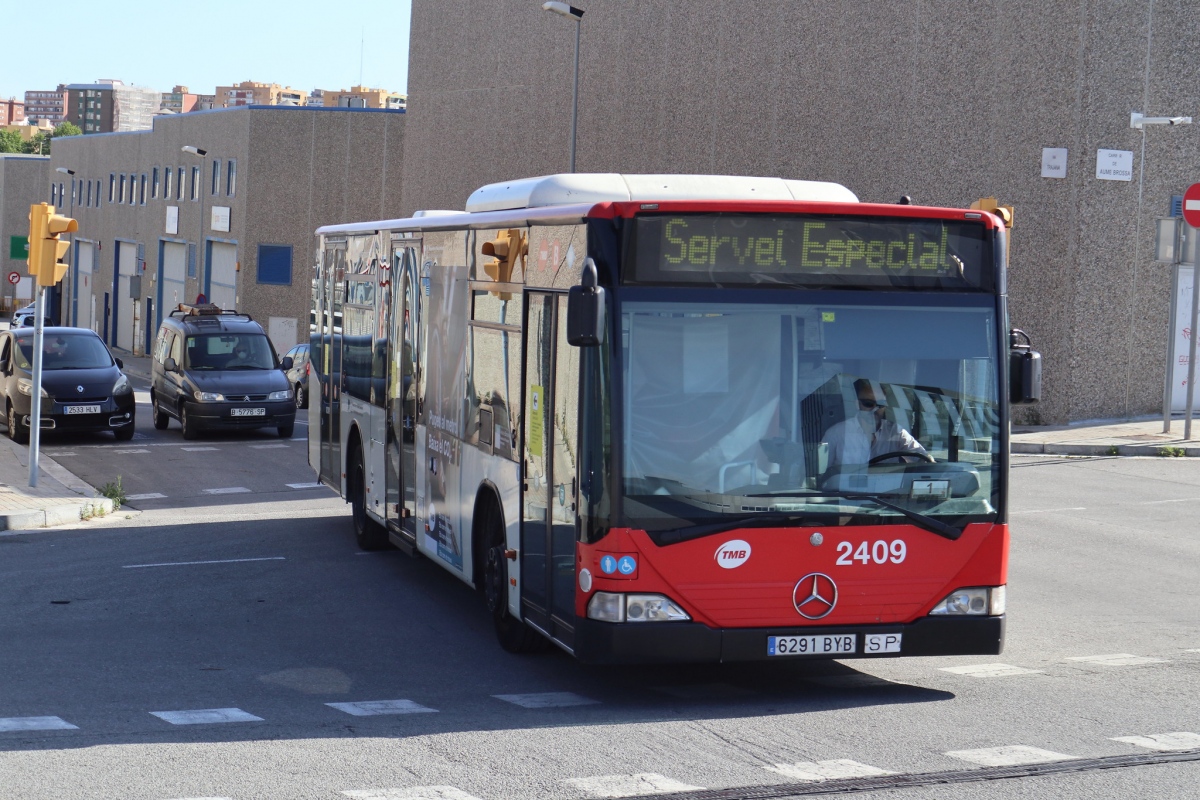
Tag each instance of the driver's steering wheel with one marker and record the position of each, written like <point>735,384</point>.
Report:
<point>902,454</point>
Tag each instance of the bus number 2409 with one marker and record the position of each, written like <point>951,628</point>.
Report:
<point>879,551</point>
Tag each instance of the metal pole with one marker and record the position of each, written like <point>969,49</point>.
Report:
<point>1169,382</point>
<point>575,94</point>
<point>68,287</point>
<point>1191,385</point>
<point>35,414</point>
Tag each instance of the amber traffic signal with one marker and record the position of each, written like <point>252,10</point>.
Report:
<point>1005,213</point>
<point>45,248</point>
<point>508,246</point>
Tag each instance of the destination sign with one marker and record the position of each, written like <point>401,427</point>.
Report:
<point>811,250</point>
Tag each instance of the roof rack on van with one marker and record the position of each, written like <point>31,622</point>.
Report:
<point>205,310</point>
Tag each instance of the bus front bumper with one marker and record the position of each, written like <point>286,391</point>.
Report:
<point>689,642</point>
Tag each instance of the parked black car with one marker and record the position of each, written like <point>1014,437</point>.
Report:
<point>298,375</point>
<point>213,368</point>
<point>83,388</point>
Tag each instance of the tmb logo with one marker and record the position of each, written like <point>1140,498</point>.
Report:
<point>733,554</point>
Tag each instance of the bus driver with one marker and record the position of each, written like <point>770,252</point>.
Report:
<point>868,434</point>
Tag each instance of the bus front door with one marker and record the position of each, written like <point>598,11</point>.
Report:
<point>548,529</point>
<point>401,467</point>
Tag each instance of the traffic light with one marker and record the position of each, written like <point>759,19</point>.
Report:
<point>1005,213</point>
<point>45,248</point>
<point>505,249</point>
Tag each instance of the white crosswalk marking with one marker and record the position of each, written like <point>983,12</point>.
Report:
<point>130,452</point>
<point>200,449</point>
<point>990,670</point>
<point>630,785</point>
<point>371,708</point>
<point>827,770</point>
<point>269,447</point>
<point>1118,660</point>
<point>415,793</point>
<point>313,485</point>
<point>206,716</point>
<point>1009,756</point>
<point>35,724</point>
<point>1163,741</point>
<point>146,496</point>
<point>547,700</point>
<point>228,490</point>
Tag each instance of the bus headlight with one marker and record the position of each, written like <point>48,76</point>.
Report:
<point>973,601</point>
<point>210,397</point>
<point>614,607</point>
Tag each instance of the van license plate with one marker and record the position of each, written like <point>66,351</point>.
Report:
<point>82,409</point>
<point>248,412</point>
<point>811,645</point>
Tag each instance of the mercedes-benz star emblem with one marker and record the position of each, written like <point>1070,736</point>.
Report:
<point>815,595</point>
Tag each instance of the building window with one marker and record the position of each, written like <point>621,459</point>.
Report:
<point>275,264</point>
<point>195,183</point>
<point>179,180</point>
<point>231,177</point>
<point>142,191</point>
<point>88,204</point>
<point>154,182</point>
<point>121,191</point>
<point>62,195</point>
<point>97,192</point>
<point>133,182</point>
<point>167,173</point>
<point>112,187</point>
<point>216,178</point>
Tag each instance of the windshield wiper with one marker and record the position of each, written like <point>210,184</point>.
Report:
<point>925,521</point>
<point>759,520</point>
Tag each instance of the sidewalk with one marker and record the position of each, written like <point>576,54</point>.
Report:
<point>1143,437</point>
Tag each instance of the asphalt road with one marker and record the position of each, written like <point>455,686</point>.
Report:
<point>256,608</point>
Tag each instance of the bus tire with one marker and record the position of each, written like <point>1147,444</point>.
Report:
<point>369,534</point>
<point>514,635</point>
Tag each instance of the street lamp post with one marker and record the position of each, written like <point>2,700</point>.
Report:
<point>203,269</point>
<point>576,14</point>
<point>74,256</point>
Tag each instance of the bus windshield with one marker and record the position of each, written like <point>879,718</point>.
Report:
<point>841,412</point>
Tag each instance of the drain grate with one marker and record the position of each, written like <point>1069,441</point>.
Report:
<point>853,785</point>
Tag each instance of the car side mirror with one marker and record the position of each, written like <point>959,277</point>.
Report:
<point>169,365</point>
<point>120,363</point>
<point>286,363</point>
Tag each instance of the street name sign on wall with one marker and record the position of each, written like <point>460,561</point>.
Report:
<point>1114,165</point>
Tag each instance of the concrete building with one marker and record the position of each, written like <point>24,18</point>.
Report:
<point>47,105</point>
<point>363,97</point>
<point>250,93</point>
<point>12,111</point>
<point>159,226</point>
<point>23,182</point>
<point>945,101</point>
<point>111,107</point>
<point>178,101</point>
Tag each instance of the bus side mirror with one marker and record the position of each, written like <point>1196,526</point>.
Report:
<point>1024,370</point>
<point>585,310</point>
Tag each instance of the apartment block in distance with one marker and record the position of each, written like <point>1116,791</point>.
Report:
<point>251,93</point>
<point>110,106</point>
<point>48,105</point>
<point>12,111</point>
<point>363,97</point>
<point>179,100</point>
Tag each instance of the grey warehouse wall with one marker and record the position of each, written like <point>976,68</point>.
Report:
<point>944,101</point>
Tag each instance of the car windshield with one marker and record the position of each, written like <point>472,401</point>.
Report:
<point>67,351</point>
<point>220,351</point>
<point>736,410</point>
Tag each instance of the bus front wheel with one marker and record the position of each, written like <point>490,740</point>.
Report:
<point>514,635</point>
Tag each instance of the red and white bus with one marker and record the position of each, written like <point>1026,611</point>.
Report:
<point>681,418</point>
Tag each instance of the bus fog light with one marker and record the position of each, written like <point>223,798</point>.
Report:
<point>972,602</point>
<point>607,607</point>
<point>652,608</point>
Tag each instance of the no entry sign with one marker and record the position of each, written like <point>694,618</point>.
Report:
<point>1191,205</point>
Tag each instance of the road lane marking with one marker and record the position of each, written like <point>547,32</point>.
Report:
<point>313,485</point>
<point>371,708</point>
<point>1118,660</point>
<point>547,700</point>
<point>990,670</point>
<point>227,490</point>
<point>1009,756</point>
<point>206,716</point>
<point>827,770</point>
<point>200,449</point>
<point>270,447</point>
<point>194,563</point>
<point>1164,742</point>
<point>630,785</point>
<point>35,724</point>
<point>415,793</point>
<point>130,452</point>
<point>146,496</point>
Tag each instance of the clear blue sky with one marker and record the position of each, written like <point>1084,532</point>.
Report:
<point>302,43</point>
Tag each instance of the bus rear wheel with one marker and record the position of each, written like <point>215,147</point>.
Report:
<point>369,534</point>
<point>514,635</point>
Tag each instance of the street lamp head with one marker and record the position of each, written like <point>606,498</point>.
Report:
<point>563,9</point>
<point>64,170</point>
<point>196,151</point>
